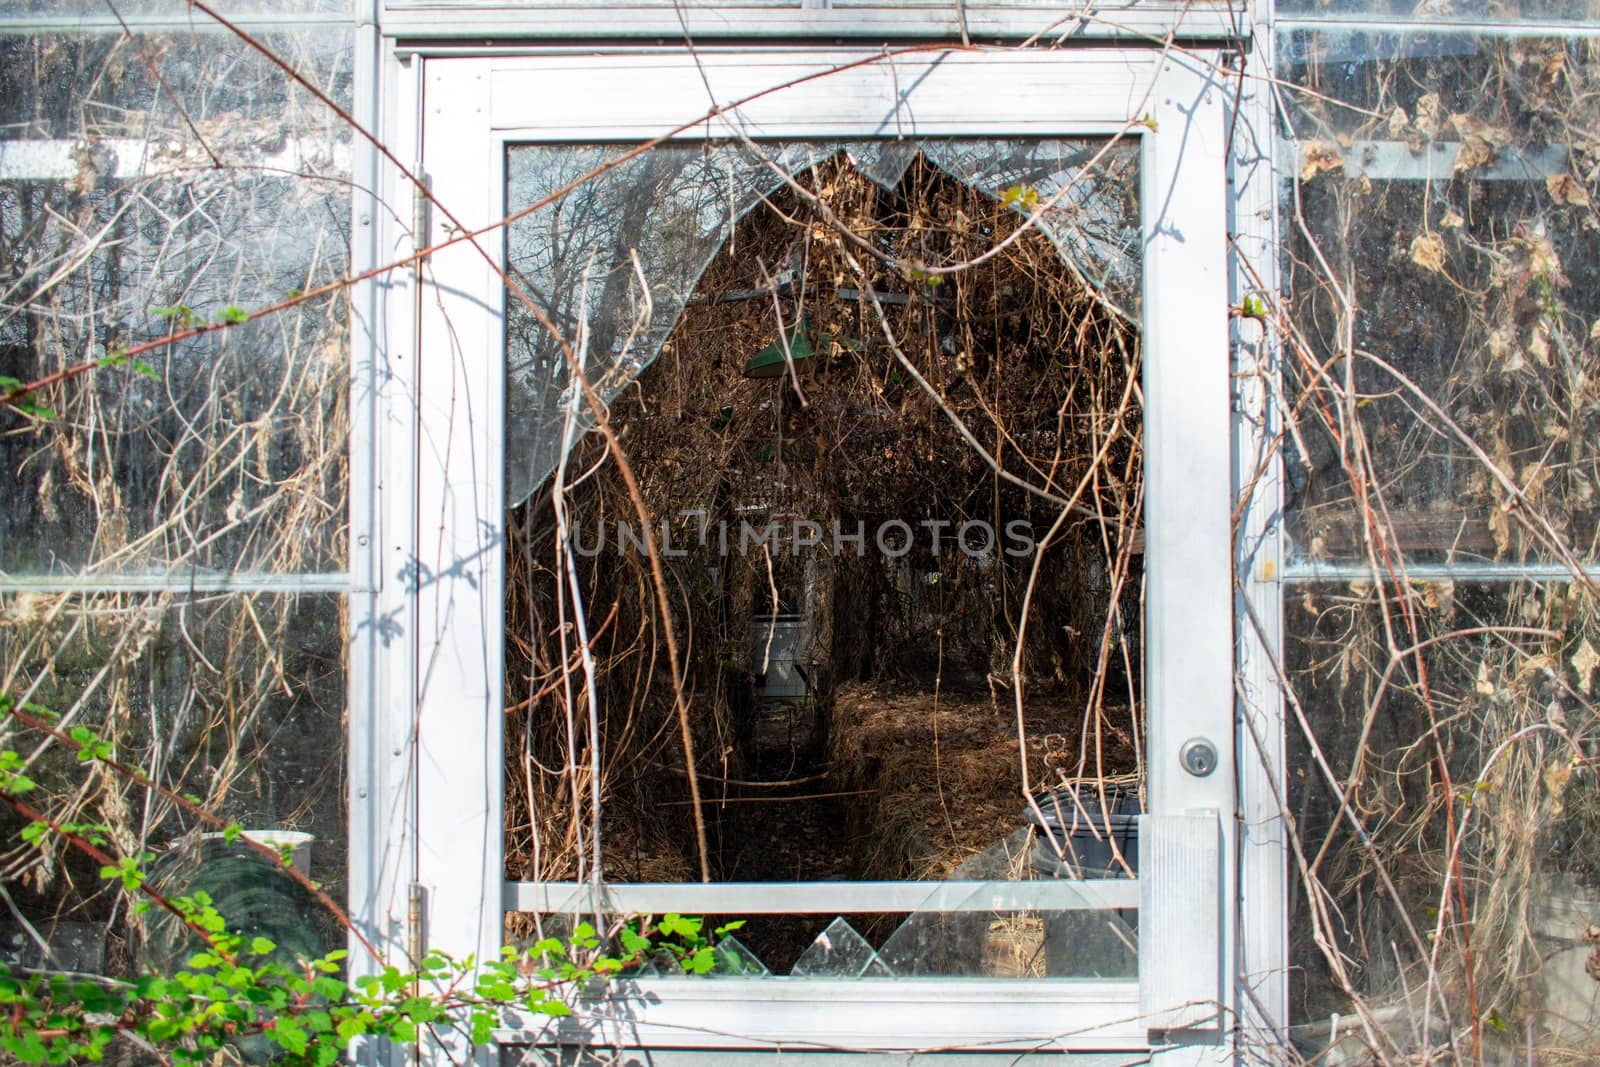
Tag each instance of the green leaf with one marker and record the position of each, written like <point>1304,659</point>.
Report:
<point>261,946</point>
<point>289,1034</point>
<point>231,832</point>
<point>330,989</point>
<point>29,1049</point>
<point>674,925</point>
<point>233,316</point>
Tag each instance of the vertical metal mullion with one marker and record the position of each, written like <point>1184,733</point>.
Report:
<point>382,616</point>
<point>369,832</point>
<point>1188,465</point>
<point>1263,851</point>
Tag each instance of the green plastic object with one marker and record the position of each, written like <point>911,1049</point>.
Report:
<point>770,361</point>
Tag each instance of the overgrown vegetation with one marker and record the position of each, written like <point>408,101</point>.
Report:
<point>1438,405</point>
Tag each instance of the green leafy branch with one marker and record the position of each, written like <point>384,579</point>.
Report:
<point>90,747</point>
<point>234,995</point>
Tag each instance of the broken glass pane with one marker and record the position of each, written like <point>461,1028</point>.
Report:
<point>613,262</point>
<point>1009,942</point>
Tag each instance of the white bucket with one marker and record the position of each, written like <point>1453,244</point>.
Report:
<point>296,843</point>
<point>777,645</point>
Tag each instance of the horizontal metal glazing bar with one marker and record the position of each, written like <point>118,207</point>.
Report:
<point>131,157</point>
<point>193,22</point>
<point>180,582</point>
<point>826,898</point>
<point>696,1057</point>
<point>1130,19</point>
<point>1309,571</point>
<point>1461,26</point>
<point>1396,161</point>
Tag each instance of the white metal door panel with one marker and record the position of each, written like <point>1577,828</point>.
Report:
<point>1175,106</point>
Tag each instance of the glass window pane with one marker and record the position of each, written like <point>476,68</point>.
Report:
<point>1445,276</point>
<point>848,573</point>
<point>153,184</point>
<point>230,706</point>
<point>1450,871</point>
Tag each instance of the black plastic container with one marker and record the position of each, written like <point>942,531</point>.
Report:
<point>1074,837</point>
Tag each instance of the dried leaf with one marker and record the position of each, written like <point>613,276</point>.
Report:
<point>1430,113</point>
<point>1533,477</point>
<point>1539,342</point>
<point>1550,69</point>
<point>1503,345</point>
<point>1427,252</point>
<point>1594,331</point>
<point>1475,152</point>
<point>1439,596</point>
<point>1318,157</point>
<point>1556,775</point>
<point>1484,685</point>
<point>1500,530</point>
<point>1471,128</point>
<point>1584,661</point>
<point>1398,121</point>
<point>1452,220</point>
<point>1542,257</point>
<point>1565,189</point>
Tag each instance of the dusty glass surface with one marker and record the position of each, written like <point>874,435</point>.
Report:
<point>1447,813</point>
<point>155,184</point>
<point>229,706</point>
<point>1444,265</point>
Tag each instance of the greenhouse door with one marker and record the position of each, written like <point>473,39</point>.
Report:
<point>641,188</point>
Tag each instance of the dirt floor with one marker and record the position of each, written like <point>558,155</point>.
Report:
<point>909,785</point>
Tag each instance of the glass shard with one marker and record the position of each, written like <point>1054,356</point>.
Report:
<point>840,952</point>
<point>734,960</point>
<point>662,965</point>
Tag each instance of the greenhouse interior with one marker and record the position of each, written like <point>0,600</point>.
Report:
<point>865,532</point>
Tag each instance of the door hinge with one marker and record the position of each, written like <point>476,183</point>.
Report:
<point>416,914</point>
<point>422,218</point>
